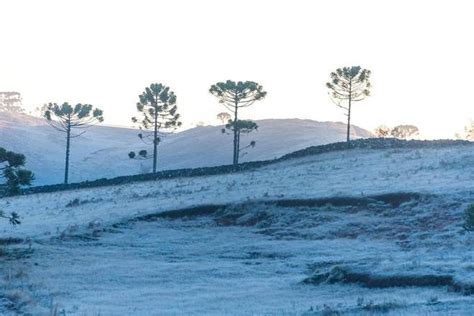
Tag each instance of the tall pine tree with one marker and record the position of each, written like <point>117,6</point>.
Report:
<point>348,85</point>
<point>72,121</point>
<point>235,96</point>
<point>157,104</point>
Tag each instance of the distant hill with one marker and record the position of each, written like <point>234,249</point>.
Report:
<point>103,151</point>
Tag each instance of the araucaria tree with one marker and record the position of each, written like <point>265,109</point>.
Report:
<point>13,174</point>
<point>73,121</point>
<point>160,117</point>
<point>468,132</point>
<point>13,217</point>
<point>243,127</point>
<point>224,117</point>
<point>404,131</point>
<point>234,96</point>
<point>347,85</point>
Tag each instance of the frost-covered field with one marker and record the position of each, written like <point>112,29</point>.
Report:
<point>108,251</point>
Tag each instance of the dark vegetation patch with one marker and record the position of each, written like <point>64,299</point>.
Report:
<point>257,255</point>
<point>383,307</point>
<point>96,230</point>
<point>271,221</point>
<point>374,143</point>
<point>77,202</point>
<point>369,143</point>
<point>15,301</point>
<point>266,255</point>
<point>81,237</point>
<point>240,216</point>
<point>14,248</point>
<point>16,253</point>
<point>466,289</point>
<point>10,241</point>
<point>344,275</point>
<point>340,274</point>
<point>191,212</point>
<point>392,199</point>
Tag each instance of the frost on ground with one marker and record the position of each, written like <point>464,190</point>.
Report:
<point>279,240</point>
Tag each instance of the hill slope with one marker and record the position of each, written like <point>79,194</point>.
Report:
<point>358,172</point>
<point>102,151</point>
<point>302,236</point>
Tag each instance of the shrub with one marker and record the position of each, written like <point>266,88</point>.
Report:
<point>433,300</point>
<point>384,307</point>
<point>469,218</point>
<point>13,217</point>
<point>12,173</point>
<point>73,203</point>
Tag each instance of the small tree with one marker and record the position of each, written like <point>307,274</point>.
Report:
<point>14,176</point>
<point>234,96</point>
<point>224,117</point>
<point>349,84</point>
<point>160,117</point>
<point>67,118</point>
<point>468,133</point>
<point>143,154</point>
<point>12,172</point>
<point>469,218</point>
<point>382,131</point>
<point>243,127</point>
<point>13,217</point>
<point>404,131</point>
<point>11,101</point>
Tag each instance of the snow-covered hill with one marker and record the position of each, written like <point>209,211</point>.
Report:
<point>102,151</point>
<point>283,239</point>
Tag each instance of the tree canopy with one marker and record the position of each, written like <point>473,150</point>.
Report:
<point>12,172</point>
<point>234,96</point>
<point>11,101</point>
<point>468,133</point>
<point>404,131</point>
<point>157,104</point>
<point>66,118</point>
<point>347,85</point>
<point>244,126</point>
<point>224,117</point>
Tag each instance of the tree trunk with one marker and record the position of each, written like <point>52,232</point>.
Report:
<point>349,113</point>
<point>155,141</point>
<point>236,136</point>
<point>238,146</point>
<point>68,145</point>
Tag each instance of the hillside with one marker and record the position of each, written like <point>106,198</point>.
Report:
<point>382,228</point>
<point>102,151</point>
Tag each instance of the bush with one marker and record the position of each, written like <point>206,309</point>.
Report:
<point>13,217</point>
<point>469,218</point>
<point>12,173</point>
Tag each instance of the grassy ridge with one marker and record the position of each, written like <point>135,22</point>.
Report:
<point>369,143</point>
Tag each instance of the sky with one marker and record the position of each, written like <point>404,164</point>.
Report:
<point>106,52</point>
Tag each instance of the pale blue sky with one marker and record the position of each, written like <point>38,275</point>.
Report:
<point>106,52</point>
